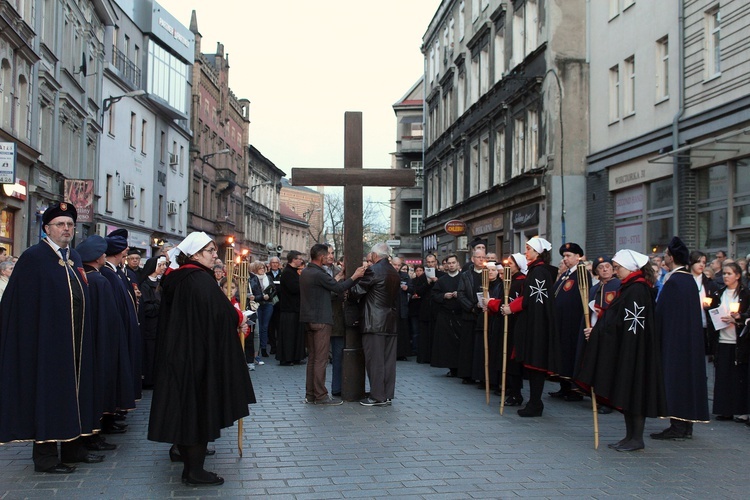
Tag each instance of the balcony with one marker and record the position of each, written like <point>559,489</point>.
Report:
<point>128,69</point>
<point>226,179</point>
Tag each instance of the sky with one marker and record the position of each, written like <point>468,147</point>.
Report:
<point>303,63</point>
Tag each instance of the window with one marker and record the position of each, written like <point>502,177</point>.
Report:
<point>437,58</point>
<point>181,160</point>
<point>712,47</point>
<point>532,142</point>
<point>499,54</point>
<point>460,164</point>
<point>484,163</point>
<point>111,120</point>
<point>474,10</point>
<point>712,199</point>
<point>451,35</point>
<point>142,205</point>
<point>626,4</point>
<point>132,130</point>
<point>447,109</point>
<point>461,19</point>
<point>161,211</point>
<point>415,220</point>
<point>531,24</point>
<point>517,43</point>
<point>614,8</point>
<point>474,81</point>
<point>659,213</point>
<point>461,94</point>
<point>144,137</point>
<point>614,93</point>
<point>162,146</point>
<point>474,169</point>
<point>662,69</point>
<point>445,186</point>
<point>484,69</point>
<point>629,91</point>
<point>126,48</point>
<point>519,147</point>
<point>109,186</point>
<point>499,173</point>
<point>167,77</point>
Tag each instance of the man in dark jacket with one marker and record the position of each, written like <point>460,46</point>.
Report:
<point>378,293</point>
<point>317,315</point>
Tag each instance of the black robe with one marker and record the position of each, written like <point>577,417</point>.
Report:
<point>448,325</point>
<point>148,316</point>
<point>115,373</point>
<point>201,381</point>
<point>621,360</point>
<point>678,312</point>
<point>569,313</point>
<point>494,339</point>
<point>126,309</point>
<point>537,341</point>
<point>290,338</point>
<point>46,394</point>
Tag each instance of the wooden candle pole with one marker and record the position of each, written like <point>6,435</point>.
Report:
<point>486,294</point>
<point>506,294</point>
<point>583,287</point>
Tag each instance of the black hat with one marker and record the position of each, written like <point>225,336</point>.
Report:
<point>59,210</point>
<point>117,241</point>
<point>600,260</point>
<point>572,248</point>
<point>679,251</point>
<point>149,267</point>
<point>92,248</point>
<point>478,241</point>
<point>134,251</point>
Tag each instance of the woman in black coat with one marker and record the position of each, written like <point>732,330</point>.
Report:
<point>148,313</point>
<point>707,289</point>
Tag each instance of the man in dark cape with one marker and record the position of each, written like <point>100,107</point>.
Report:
<point>47,365</point>
<point>469,284</point>
<point>569,313</point>
<point>114,375</point>
<point>290,339</point>
<point>448,325</point>
<point>678,313</point>
<point>428,309</point>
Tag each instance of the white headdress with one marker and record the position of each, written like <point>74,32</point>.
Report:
<point>630,259</point>
<point>539,244</point>
<point>521,262</point>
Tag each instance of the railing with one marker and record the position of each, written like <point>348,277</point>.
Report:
<point>127,68</point>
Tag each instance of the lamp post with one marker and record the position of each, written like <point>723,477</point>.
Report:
<point>109,101</point>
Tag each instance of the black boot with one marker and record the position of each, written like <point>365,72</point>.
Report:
<point>628,433</point>
<point>194,474</point>
<point>535,406</point>
<point>635,443</point>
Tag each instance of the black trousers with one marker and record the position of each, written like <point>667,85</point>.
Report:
<point>45,455</point>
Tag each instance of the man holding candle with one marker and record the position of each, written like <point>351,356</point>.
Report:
<point>678,315</point>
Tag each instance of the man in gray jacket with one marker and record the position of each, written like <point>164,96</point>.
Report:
<point>378,294</point>
<point>317,315</point>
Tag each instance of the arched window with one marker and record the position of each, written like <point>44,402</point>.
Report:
<point>22,114</point>
<point>6,98</point>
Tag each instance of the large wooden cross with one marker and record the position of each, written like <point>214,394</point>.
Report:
<point>353,177</point>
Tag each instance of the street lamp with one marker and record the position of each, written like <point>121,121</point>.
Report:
<point>109,101</point>
<point>205,158</point>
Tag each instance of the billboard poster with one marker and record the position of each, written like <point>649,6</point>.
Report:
<point>80,192</point>
<point>7,162</point>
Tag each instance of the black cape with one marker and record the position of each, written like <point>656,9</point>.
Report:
<point>448,325</point>
<point>569,313</point>
<point>44,396</point>
<point>621,360</point>
<point>537,341</point>
<point>201,381</point>
<point>678,312</point>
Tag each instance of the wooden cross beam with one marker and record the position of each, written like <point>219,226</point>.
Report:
<point>353,177</point>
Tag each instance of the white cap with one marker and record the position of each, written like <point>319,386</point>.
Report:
<point>194,242</point>
<point>521,262</point>
<point>630,259</point>
<point>539,244</point>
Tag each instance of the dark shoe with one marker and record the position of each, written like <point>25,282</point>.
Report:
<point>450,374</point>
<point>402,358</point>
<point>467,380</point>
<point>630,446</point>
<point>57,469</point>
<point>113,428</point>
<point>558,394</point>
<point>264,353</point>
<point>372,402</point>
<point>723,418</point>
<point>174,453</point>
<point>604,410</point>
<point>514,401</point>
<point>336,394</point>
<point>616,445</point>
<point>285,363</point>
<point>667,434</point>
<point>100,445</point>
<point>573,396</point>
<point>210,479</point>
<point>740,420</point>
<point>329,401</point>
<point>89,458</point>
<point>531,411</point>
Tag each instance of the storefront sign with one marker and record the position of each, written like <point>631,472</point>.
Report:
<point>526,216</point>
<point>629,236</point>
<point>488,225</point>
<point>455,227</point>
<point>629,201</point>
<point>17,190</point>
<point>7,162</point>
<point>635,173</point>
<point>80,192</point>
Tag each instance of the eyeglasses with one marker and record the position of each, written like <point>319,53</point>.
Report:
<point>615,267</point>
<point>62,224</point>
<point>210,250</point>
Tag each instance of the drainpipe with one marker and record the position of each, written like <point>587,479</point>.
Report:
<point>680,112</point>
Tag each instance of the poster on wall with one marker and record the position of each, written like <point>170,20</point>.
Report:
<point>80,192</point>
<point>7,162</point>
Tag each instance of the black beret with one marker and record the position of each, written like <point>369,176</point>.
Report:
<point>134,251</point>
<point>119,232</point>
<point>59,210</point>
<point>478,241</point>
<point>600,260</point>
<point>679,251</point>
<point>572,248</point>
<point>92,248</point>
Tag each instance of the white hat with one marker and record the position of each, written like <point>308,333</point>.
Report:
<point>539,244</point>
<point>630,259</point>
<point>521,262</point>
<point>189,246</point>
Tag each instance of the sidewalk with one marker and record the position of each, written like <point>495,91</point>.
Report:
<point>438,440</point>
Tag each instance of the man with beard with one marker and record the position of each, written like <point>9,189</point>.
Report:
<point>448,324</point>
<point>678,315</point>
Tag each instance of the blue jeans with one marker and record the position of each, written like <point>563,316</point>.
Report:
<point>265,312</point>
<point>337,358</point>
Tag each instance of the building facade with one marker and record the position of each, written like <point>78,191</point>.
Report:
<point>506,87</point>
<point>294,233</point>
<point>406,203</point>
<point>220,123</point>
<point>307,204</point>
<point>143,176</point>
<point>669,137</point>
<point>262,221</point>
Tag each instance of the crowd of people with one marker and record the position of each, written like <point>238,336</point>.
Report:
<point>96,328</point>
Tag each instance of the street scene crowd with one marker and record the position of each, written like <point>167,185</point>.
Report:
<point>85,330</point>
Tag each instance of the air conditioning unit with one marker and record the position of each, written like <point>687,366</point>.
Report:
<point>128,192</point>
<point>171,207</point>
<point>174,159</point>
